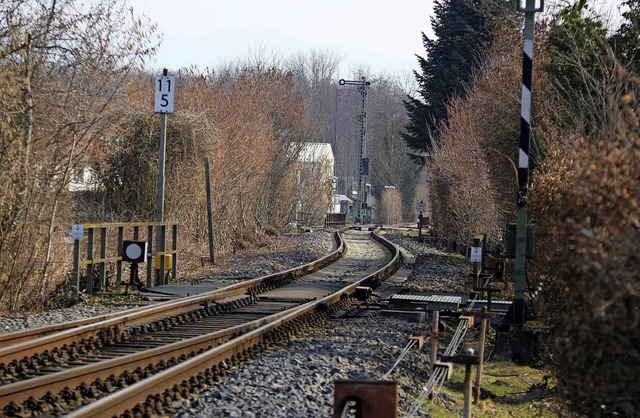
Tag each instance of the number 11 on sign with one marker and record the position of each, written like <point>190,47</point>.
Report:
<point>164,94</point>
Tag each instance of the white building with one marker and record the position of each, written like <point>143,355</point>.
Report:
<point>84,178</point>
<point>318,153</point>
<point>316,175</point>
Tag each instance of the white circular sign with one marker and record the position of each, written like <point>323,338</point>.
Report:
<point>133,251</point>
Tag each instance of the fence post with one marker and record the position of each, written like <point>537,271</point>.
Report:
<point>468,359</point>
<point>103,255</point>
<point>434,344</point>
<point>162,240</point>
<point>149,258</point>
<point>174,247</point>
<point>89,281</point>
<point>119,252</point>
<point>76,268</point>
<point>483,331</point>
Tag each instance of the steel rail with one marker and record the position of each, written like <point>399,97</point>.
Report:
<point>39,386</point>
<point>76,331</point>
<point>136,394</point>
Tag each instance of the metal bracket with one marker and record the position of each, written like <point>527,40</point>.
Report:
<point>447,366</point>
<point>529,10</point>
<point>373,398</point>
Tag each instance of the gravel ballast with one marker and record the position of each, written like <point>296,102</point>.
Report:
<point>298,379</point>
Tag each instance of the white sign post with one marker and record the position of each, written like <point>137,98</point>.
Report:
<point>77,232</point>
<point>165,91</point>
<point>476,254</point>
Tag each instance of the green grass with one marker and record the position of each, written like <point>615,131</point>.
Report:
<point>508,390</point>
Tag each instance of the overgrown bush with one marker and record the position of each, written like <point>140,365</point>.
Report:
<point>587,204</point>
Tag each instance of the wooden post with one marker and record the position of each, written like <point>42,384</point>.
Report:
<point>76,267</point>
<point>434,343</point>
<point>483,332</point>
<point>174,247</point>
<point>468,359</point>
<point>119,252</point>
<point>149,260</point>
<point>90,258</point>
<point>103,265</point>
<point>209,210</point>
<point>466,412</point>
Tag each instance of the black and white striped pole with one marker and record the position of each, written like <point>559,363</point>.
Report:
<point>529,10</point>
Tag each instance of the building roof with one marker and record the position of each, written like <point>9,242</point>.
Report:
<point>343,198</point>
<point>312,152</point>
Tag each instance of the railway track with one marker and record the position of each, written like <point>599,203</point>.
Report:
<point>136,362</point>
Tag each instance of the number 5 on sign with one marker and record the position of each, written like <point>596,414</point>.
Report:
<point>165,88</point>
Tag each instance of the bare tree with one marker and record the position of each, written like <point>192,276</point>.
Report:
<point>68,63</point>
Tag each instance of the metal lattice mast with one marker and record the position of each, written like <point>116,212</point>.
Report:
<point>523,160</point>
<point>361,201</point>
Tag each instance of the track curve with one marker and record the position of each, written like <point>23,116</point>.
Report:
<point>264,308</point>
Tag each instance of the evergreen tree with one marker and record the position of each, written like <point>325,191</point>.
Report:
<point>626,41</point>
<point>578,67</point>
<point>462,29</point>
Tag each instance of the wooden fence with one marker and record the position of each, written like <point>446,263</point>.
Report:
<point>100,255</point>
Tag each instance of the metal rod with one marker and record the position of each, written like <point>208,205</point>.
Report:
<point>466,413</point>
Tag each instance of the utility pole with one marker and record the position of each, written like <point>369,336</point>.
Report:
<point>523,161</point>
<point>361,201</point>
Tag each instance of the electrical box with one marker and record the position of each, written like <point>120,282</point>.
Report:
<point>168,262</point>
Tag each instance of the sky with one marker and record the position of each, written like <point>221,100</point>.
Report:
<point>381,35</point>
